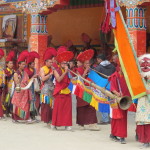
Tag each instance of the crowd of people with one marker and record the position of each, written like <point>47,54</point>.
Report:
<point>23,100</point>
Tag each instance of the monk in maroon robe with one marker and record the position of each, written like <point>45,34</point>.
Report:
<point>119,120</point>
<point>62,110</point>
<point>31,74</point>
<point>35,98</point>
<point>86,114</point>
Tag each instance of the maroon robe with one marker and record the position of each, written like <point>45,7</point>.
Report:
<point>37,102</point>
<point>119,122</point>
<point>86,114</point>
<point>46,113</point>
<point>62,110</point>
<point>37,97</point>
<point>143,132</point>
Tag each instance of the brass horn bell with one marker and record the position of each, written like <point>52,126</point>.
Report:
<point>125,102</point>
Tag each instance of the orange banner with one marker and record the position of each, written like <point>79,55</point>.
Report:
<point>128,60</point>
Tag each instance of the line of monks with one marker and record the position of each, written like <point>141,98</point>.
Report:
<point>53,101</point>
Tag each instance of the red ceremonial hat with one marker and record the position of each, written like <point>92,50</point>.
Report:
<point>86,55</point>
<point>10,56</point>
<point>49,53</point>
<point>85,38</point>
<point>61,49</point>
<point>1,53</point>
<point>23,56</point>
<point>53,51</point>
<point>32,56</point>
<point>63,54</point>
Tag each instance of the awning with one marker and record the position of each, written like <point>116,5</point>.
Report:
<point>85,2</point>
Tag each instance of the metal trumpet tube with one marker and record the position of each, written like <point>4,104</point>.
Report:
<point>123,102</point>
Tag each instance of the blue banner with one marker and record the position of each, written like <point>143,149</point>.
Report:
<point>98,80</point>
<point>102,82</point>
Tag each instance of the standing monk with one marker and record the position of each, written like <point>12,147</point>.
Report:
<point>15,48</point>
<point>87,43</point>
<point>9,74</point>
<point>71,47</point>
<point>86,114</point>
<point>20,99</point>
<point>31,71</point>
<point>49,42</point>
<point>62,111</point>
<point>2,84</point>
<point>119,117</point>
<point>143,106</point>
<point>47,88</point>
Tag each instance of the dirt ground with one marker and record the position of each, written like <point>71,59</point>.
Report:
<point>39,137</point>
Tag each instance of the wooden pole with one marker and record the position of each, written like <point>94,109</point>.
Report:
<point>100,73</point>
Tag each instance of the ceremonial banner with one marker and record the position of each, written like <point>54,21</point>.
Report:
<point>128,59</point>
<point>91,95</point>
<point>102,82</point>
<point>97,79</point>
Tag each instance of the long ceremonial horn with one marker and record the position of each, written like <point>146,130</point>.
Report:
<point>124,102</point>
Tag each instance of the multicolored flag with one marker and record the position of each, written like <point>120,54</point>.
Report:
<point>91,95</point>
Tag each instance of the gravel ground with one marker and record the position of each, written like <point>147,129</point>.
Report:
<point>40,137</point>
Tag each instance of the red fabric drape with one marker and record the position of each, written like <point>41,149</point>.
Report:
<point>65,2</point>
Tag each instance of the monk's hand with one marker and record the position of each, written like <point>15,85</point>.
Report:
<point>87,68</point>
<point>66,69</point>
<point>35,76</point>
<point>51,73</point>
<point>117,93</point>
